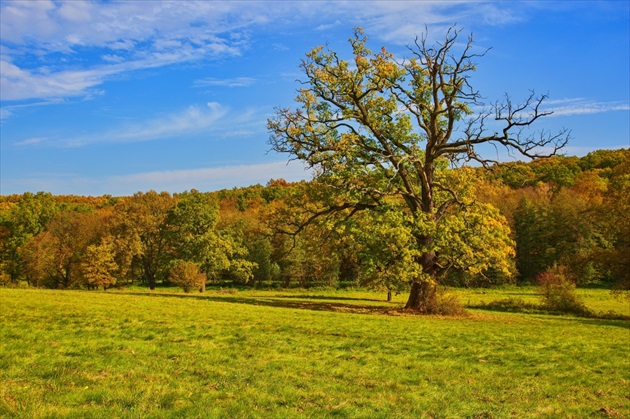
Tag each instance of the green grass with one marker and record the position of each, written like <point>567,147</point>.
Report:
<point>303,353</point>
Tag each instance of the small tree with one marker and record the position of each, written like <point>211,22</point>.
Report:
<point>557,290</point>
<point>378,128</point>
<point>186,275</point>
<point>99,265</point>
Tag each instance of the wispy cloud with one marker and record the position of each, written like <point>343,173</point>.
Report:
<point>202,179</point>
<point>210,178</point>
<point>129,36</point>
<point>120,37</point>
<point>31,141</point>
<point>398,22</point>
<point>233,82</point>
<point>580,106</point>
<point>211,119</point>
<point>329,26</point>
<point>20,84</point>
<point>5,114</point>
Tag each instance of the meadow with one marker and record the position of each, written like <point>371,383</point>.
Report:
<point>260,354</point>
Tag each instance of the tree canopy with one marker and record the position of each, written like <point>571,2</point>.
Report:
<point>380,133</point>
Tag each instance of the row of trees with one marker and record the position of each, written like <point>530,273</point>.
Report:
<point>48,241</point>
<point>526,219</point>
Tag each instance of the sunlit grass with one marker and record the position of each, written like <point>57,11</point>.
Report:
<point>301,353</point>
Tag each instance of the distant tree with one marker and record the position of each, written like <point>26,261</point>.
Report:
<point>378,127</point>
<point>19,223</point>
<point>141,230</point>
<point>617,224</point>
<point>36,259</point>
<point>535,250</point>
<point>195,236</point>
<point>99,266</point>
<point>54,256</point>
<point>604,159</point>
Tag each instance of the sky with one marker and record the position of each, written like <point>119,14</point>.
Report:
<point>116,97</point>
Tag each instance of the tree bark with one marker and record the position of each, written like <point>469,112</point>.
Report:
<point>422,297</point>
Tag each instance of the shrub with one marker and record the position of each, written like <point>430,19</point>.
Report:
<point>445,304</point>
<point>557,290</point>
<point>186,275</point>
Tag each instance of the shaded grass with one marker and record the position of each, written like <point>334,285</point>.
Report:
<point>518,305</point>
<point>599,301</point>
<point>279,354</point>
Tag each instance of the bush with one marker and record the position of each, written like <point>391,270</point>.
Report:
<point>444,304</point>
<point>557,290</point>
<point>186,275</point>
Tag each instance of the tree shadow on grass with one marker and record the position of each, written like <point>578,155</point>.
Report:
<point>594,321</point>
<point>326,297</point>
<point>284,302</point>
<point>512,305</point>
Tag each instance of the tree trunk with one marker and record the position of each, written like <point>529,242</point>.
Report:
<point>151,281</point>
<point>389,295</point>
<point>422,297</point>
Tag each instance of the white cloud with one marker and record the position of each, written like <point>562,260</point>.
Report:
<point>279,47</point>
<point>329,26</point>
<point>233,82</point>
<point>208,179</point>
<point>202,179</point>
<point>5,114</point>
<point>579,106</point>
<point>127,36</point>
<point>19,84</point>
<point>134,35</point>
<point>211,118</point>
<point>31,141</point>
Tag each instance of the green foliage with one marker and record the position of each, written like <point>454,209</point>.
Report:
<point>615,210</point>
<point>140,225</point>
<point>604,159</point>
<point>381,133</point>
<point>557,171</point>
<point>192,228</point>
<point>19,222</point>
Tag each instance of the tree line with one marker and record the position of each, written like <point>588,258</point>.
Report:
<point>527,218</point>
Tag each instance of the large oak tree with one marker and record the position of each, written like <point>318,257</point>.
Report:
<point>379,129</point>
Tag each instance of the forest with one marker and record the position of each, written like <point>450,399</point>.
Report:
<point>563,212</point>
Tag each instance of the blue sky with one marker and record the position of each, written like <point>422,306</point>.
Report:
<point>107,97</point>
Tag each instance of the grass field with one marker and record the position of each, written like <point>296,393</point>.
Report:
<point>304,354</point>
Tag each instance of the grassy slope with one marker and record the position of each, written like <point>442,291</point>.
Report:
<point>283,354</point>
